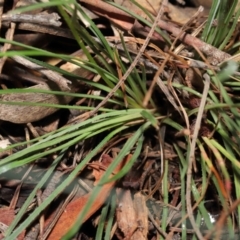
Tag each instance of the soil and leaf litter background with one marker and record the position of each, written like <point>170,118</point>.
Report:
<point>119,120</point>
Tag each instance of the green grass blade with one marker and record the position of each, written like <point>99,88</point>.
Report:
<point>111,217</point>
<point>101,222</point>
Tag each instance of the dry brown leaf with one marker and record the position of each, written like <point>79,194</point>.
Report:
<point>132,215</point>
<point>126,216</point>
<point>142,215</point>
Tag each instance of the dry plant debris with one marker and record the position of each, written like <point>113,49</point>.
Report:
<point>119,119</point>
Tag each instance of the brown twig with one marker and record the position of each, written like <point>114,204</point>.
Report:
<point>6,46</point>
<point>51,75</point>
<point>188,39</point>
<point>41,18</point>
<point>156,225</point>
<point>56,31</point>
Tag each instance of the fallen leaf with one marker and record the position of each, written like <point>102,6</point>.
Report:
<point>7,215</point>
<point>125,214</point>
<point>142,216</point>
<point>70,215</point>
<point>132,215</point>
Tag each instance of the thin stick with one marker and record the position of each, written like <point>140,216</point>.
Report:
<point>191,156</point>
<point>6,46</point>
<point>48,19</point>
<point>61,81</point>
<point>156,225</point>
<point>134,63</point>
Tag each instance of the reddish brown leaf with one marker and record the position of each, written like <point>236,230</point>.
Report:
<point>69,217</point>
<point>7,215</point>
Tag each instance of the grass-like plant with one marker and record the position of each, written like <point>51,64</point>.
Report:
<point>216,155</point>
